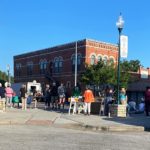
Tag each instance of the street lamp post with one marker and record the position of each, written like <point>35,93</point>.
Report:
<point>119,25</point>
<point>8,70</point>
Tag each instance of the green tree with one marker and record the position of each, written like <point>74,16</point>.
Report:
<point>106,73</point>
<point>99,73</point>
<point>4,77</point>
<point>132,65</point>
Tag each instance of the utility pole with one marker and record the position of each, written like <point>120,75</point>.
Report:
<point>76,63</point>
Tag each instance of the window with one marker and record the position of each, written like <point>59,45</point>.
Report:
<point>56,61</point>
<point>79,57</point>
<point>18,69</point>
<point>29,68</point>
<point>58,64</point>
<point>105,59</point>
<point>43,66</point>
<point>111,60</point>
<point>93,58</point>
<point>99,58</point>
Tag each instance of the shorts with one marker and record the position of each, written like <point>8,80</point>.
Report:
<point>62,96</point>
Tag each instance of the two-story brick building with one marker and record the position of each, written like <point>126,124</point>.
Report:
<point>58,63</point>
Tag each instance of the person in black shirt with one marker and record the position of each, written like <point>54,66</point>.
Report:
<point>47,96</point>
<point>2,95</point>
<point>23,97</point>
<point>2,92</point>
<point>54,96</point>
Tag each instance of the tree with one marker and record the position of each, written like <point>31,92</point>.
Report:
<point>106,73</point>
<point>132,65</point>
<point>99,73</point>
<point>4,77</point>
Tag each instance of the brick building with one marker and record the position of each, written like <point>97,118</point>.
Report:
<point>58,63</point>
<point>137,88</point>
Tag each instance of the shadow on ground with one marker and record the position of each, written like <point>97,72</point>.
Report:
<point>133,119</point>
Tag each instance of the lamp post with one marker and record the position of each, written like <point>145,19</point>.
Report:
<point>119,25</point>
<point>8,70</point>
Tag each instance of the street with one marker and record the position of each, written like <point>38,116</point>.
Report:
<point>26,137</point>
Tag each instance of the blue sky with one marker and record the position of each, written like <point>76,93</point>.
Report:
<point>28,25</point>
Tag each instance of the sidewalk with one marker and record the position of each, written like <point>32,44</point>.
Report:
<point>15,116</point>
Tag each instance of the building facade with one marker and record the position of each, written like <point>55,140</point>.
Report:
<point>136,89</point>
<point>58,63</point>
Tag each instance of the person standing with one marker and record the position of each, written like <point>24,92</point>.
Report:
<point>2,95</point>
<point>147,100</point>
<point>47,96</point>
<point>123,96</point>
<point>108,99</point>
<point>88,99</point>
<point>76,92</point>
<point>9,94</point>
<point>54,96</point>
<point>23,97</point>
<point>2,92</point>
<point>62,95</point>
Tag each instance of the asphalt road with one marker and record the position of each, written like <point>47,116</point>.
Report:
<point>44,138</point>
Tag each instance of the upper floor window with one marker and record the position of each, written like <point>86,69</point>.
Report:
<point>29,68</point>
<point>111,60</point>
<point>73,58</point>
<point>79,59</point>
<point>58,64</point>
<point>99,58</point>
<point>105,59</point>
<point>93,59</point>
<point>43,66</point>
<point>18,69</point>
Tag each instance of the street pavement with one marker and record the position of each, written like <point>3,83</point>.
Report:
<point>40,116</point>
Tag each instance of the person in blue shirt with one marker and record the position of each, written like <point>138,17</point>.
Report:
<point>123,96</point>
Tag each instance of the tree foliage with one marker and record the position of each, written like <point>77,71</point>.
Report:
<point>99,73</point>
<point>132,65</point>
<point>106,73</point>
<point>4,77</point>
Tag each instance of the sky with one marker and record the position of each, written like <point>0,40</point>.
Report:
<point>29,25</point>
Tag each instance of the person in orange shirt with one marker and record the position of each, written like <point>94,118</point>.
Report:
<point>88,99</point>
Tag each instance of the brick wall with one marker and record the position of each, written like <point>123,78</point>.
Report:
<point>85,48</point>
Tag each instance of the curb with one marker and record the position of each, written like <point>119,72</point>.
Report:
<point>80,126</point>
<point>114,128</point>
<point>111,128</point>
<point>123,129</point>
<point>102,128</point>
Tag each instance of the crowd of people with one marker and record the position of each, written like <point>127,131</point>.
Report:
<point>131,105</point>
<point>6,94</point>
<point>55,97</point>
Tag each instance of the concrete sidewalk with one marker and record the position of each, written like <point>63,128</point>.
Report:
<point>15,116</point>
